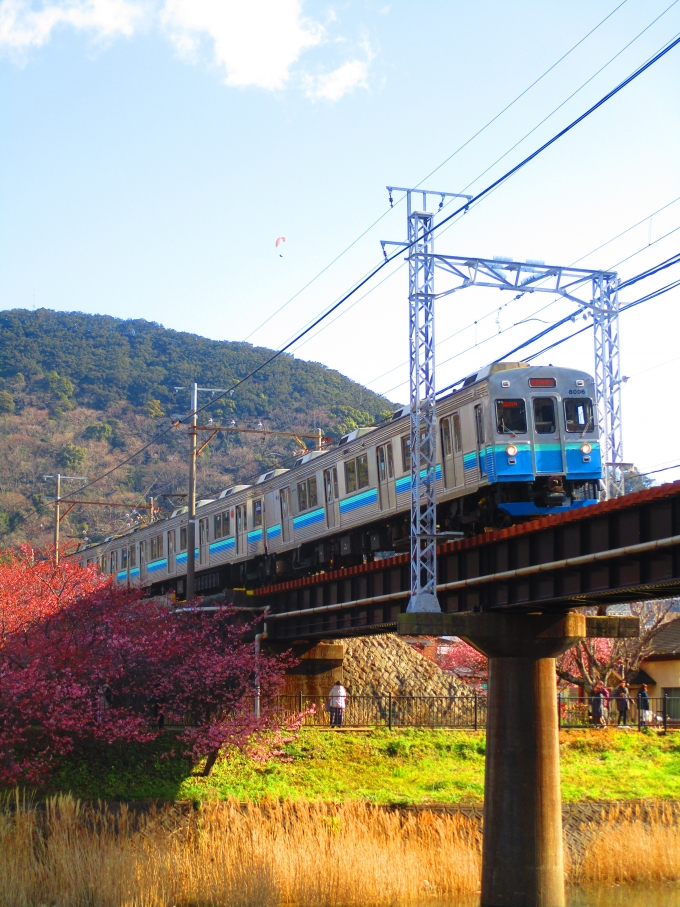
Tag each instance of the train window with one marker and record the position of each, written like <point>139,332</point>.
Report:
<point>156,547</point>
<point>307,494</point>
<point>406,453</point>
<point>544,415</point>
<point>183,538</point>
<point>257,512</point>
<point>578,414</point>
<point>132,556</point>
<point>457,433</point>
<point>385,462</point>
<point>114,562</point>
<point>123,558</point>
<point>479,422</point>
<point>226,524</point>
<point>350,476</point>
<point>511,417</point>
<point>447,447</point>
<point>356,473</point>
<point>217,526</point>
<point>362,471</point>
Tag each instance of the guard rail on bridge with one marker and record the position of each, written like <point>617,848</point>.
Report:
<point>621,550</point>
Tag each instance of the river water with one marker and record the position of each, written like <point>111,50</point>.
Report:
<point>643,895</point>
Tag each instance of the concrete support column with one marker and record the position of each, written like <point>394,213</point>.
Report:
<point>523,862</point>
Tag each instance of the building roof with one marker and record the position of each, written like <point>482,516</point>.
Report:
<point>666,641</point>
<point>640,677</point>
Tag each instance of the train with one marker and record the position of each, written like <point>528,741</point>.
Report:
<point>514,442</point>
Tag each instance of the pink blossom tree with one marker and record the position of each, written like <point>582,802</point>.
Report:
<point>69,637</point>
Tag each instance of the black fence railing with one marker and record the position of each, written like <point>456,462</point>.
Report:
<point>468,711</point>
<point>659,712</point>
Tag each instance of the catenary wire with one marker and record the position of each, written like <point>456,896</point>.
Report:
<point>473,203</point>
<point>438,167</point>
<point>482,194</point>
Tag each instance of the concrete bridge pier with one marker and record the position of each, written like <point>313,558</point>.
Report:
<point>523,860</point>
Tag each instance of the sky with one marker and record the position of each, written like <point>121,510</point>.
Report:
<point>154,150</point>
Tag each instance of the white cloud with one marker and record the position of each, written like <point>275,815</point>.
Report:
<point>334,85</point>
<point>23,25</point>
<point>255,41</point>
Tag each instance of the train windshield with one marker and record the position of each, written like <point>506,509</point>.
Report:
<point>511,417</point>
<point>544,415</point>
<point>578,415</point>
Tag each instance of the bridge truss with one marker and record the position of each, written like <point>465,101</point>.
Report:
<point>594,292</point>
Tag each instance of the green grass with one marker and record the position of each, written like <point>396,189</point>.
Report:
<point>405,766</point>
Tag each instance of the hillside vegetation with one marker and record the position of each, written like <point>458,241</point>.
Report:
<point>81,393</point>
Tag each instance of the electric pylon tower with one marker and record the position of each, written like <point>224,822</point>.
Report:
<point>523,277</point>
<point>423,434</point>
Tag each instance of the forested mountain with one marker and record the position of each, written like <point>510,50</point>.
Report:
<point>81,393</point>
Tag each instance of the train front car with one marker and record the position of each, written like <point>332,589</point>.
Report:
<point>543,451</point>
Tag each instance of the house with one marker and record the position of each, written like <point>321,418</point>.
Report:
<point>660,669</point>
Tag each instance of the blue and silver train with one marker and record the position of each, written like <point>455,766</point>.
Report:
<point>514,442</point>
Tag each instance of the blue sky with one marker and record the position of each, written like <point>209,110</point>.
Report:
<point>153,150</point>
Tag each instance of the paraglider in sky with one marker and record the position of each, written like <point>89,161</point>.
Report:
<point>279,240</point>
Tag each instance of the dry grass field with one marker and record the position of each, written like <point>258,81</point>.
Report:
<point>231,854</point>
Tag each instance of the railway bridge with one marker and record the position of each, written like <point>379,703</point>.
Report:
<point>621,550</point>
<point>514,594</point>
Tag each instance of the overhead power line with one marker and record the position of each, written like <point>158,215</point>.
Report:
<point>443,163</point>
<point>483,193</point>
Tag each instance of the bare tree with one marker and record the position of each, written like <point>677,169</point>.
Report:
<point>593,660</point>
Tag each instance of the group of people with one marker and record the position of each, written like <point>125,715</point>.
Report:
<point>601,704</point>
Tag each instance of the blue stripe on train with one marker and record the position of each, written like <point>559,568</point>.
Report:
<point>370,496</point>
<point>308,519</point>
<point>182,556</point>
<point>154,566</point>
<point>254,536</point>
<point>403,484</point>
<point>223,545</point>
<point>274,532</point>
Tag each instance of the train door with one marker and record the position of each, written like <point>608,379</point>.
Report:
<point>286,516</point>
<point>448,463</point>
<point>547,436</point>
<point>241,529</point>
<point>143,560</point>
<point>388,494</point>
<point>171,550</point>
<point>457,435</point>
<point>481,442</point>
<point>203,542</point>
<point>330,484</point>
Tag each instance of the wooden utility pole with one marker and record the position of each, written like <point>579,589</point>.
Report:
<point>56,520</point>
<point>57,509</point>
<point>191,527</point>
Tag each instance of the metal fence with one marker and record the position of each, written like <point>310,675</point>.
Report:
<point>468,711</point>
<point>663,712</point>
<point>389,711</point>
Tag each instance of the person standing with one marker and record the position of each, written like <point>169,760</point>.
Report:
<point>643,705</point>
<point>622,703</point>
<point>337,703</point>
<point>597,705</point>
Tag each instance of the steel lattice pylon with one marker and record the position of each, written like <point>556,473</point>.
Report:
<point>423,435</point>
<point>605,311</point>
<point>502,274</point>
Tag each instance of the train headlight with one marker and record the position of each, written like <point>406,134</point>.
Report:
<point>586,448</point>
<point>511,450</point>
